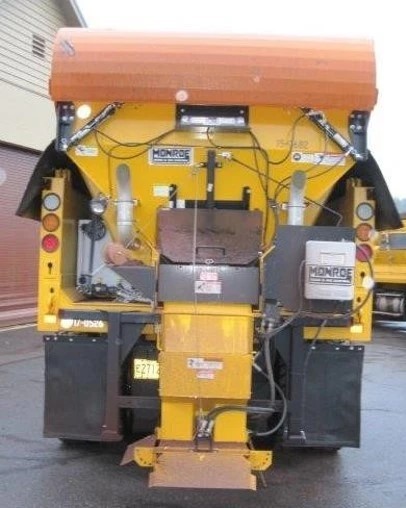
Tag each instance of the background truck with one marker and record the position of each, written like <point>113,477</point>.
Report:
<point>390,274</point>
<point>206,261</point>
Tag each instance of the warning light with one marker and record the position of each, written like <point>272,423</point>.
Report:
<point>50,243</point>
<point>50,222</point>
<point>365,211</point>
<point>364,252</point>
<point>363,232</point>
<point>51,202</point>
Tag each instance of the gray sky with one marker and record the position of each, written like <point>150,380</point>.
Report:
<point>383,21</point>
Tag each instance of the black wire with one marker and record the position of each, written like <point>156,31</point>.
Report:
<point>261,175</point>
<point>292,142</point>
<point>321,205</point>
<point>119,144</point>
<point>279,187</point>
<point>281,419</point>
<point>265,156</point>
<point>252,147</point>
<point>274,207</point>
<point>214,413</point>
<point>255,147</point>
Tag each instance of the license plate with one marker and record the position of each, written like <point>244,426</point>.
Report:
<point>146,369</point>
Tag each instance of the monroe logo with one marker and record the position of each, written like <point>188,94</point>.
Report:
<point>326,274</point>
<point>171,156</point>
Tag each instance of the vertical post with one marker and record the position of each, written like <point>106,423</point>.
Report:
<point>211,167</point>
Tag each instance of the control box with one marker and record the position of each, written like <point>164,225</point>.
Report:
<point>329,270</point>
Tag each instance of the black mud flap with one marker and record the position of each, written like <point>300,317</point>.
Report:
<point>75,387</point>
<point>333,396</point>
<point>325,395</point>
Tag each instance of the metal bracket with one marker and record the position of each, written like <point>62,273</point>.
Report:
<point>105,113</point>
<point>319,119</point>
<point>358,127</point>
<point>65,114</point>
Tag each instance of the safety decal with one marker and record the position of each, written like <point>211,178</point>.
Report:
<point>86,151</point>
<point>319,158</point>
<point>204,364</point>
<point>205,374</point>
<point>208,287</point>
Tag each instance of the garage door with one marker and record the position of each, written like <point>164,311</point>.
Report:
<point>18,239</point>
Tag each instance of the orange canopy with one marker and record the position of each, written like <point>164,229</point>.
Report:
<point>101,65</point>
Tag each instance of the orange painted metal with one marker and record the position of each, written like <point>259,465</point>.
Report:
<point>96,65</point>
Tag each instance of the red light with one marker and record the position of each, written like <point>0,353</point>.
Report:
<point>50,243</point>
<point>364,252</point>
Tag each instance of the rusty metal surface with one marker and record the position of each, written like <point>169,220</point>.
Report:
<point>101,65</point>
<point>229,237</point>
<point>211,470</point>
<point>145,442</point>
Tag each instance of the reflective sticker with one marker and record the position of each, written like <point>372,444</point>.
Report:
<point>208,287</point>
<point>67,324</point>
<point>204,364</point>
<point>205,374</point>
<point>212,276</point>
<point>319,158</point>
<point>161,191</point>
<point>86,151</point>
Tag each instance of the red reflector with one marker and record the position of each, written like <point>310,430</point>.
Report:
<point>50,243</point>
<point>364,252</point>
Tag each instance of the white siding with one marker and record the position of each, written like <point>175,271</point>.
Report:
<point>27,119</point>
<point>27,113</point>
<point>20,20</point>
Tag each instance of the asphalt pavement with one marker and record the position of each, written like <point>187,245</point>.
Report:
<point>43,473</point>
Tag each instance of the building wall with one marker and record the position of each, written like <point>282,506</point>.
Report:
<point>27,125</point>
<point>18,239</point>
<point>27,32</point>
<point>27,119</point>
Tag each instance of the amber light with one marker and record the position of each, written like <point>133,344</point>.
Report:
<point>50,243</point>
<point>364,252</point>
<point>363,232</point>
<point>50,222</point>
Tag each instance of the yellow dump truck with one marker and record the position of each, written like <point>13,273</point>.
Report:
<point>206,261</point>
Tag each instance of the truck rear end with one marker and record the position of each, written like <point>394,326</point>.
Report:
<point>206,262</point>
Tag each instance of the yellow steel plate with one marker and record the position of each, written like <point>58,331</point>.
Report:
<point>146,369</point>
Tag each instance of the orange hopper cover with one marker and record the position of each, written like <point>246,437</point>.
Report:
<point>97,65</point>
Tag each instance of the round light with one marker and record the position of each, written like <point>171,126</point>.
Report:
<point>364,252</point>
<point>50,222</point>
<point>363,232</point>
<point>365,211</point>
<point>51,202</point>
<point>83,111</point>
<point>50,243</point>
<point>98,205</point>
